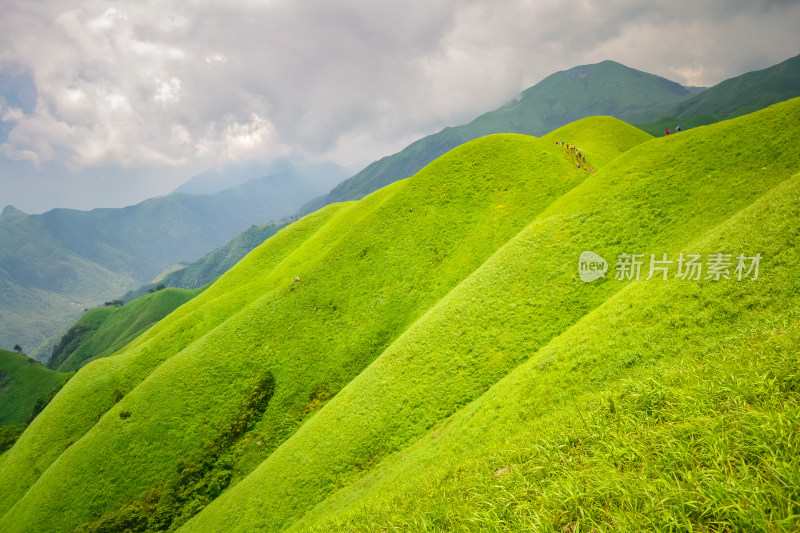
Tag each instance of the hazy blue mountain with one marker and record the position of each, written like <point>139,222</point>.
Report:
<point>322,175</point>
<point>212,265</point>
<point>10,213</point>
<point>215,180</point>
<point>56,264</point>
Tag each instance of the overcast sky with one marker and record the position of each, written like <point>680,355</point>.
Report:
<point>105,103</point>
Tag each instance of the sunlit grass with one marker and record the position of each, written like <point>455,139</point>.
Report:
<point>314,305</point>
<point>526,304</point>
<point>438,364</point>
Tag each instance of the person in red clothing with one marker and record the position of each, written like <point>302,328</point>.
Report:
<point>667,131</point>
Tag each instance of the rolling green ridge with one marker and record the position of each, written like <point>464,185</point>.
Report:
<point>576,342</point>
<point>426,358</point>
<point>314,339</point>
<point>101,332</point>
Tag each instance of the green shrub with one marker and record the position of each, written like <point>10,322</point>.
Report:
<point>9,435</point>
<point>198,483</point>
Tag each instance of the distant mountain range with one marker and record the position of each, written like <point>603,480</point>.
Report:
<point>746,93</point>
<point>606,88</point>
<point>54,265</point>
<point>213,264</point>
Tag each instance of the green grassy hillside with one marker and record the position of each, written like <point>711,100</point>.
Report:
<point>23,381</point>
<point>101,332</point>
<point>366,272</point>
<point>427,358</point>
<point>599,139</point>
<point>688,422</point>
<point>25,387</point>
<point>378,457</point>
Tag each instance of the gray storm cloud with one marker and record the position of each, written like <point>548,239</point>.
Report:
<point>162,85</point>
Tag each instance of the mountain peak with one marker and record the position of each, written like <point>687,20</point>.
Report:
<point>10,212</point>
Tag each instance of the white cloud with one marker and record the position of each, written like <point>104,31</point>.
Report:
<point>106,21</point>
<point>13,114</point>
<point>168,92</point>
<point>12,153</point>
<point>217,58</point>
<point>166,82</point>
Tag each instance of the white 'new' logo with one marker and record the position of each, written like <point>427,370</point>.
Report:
<point>591,266</point>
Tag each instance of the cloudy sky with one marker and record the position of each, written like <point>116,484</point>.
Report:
<point>105,103</point>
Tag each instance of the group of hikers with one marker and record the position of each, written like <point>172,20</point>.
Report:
<point>676,129</point>
<point>581,156</point>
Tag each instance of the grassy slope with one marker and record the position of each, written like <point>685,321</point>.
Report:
<point>526,304</point>
<point>367,247</point>
<point>475,310</point>
<point>103,331</point>
<point>598,138</point>
<point>86,399</point>
<point>23,382</point>
<point>625,422</point>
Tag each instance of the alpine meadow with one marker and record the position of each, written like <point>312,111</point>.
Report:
<point>427,358</point>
